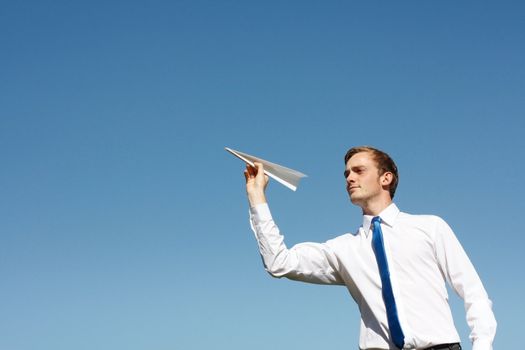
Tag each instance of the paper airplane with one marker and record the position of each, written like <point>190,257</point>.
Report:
<point>286,176</point>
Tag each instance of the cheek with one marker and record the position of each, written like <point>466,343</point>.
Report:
<point>371,184</point>
<point>367,182</point>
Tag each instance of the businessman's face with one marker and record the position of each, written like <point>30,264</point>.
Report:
<point>363,181</point>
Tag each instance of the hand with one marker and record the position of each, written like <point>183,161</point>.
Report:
<point>256,182</point>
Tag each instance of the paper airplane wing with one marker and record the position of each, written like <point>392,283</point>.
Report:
<point>286,176</point>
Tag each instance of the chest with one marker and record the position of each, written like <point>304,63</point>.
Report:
<point>410,253</point>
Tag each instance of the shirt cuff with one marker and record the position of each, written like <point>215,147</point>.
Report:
<point>482,344</point>
<point>261,212</point>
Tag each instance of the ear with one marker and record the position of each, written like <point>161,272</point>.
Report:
<point>386,178</point>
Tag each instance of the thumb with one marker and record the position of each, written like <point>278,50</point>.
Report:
<point>260,168</point>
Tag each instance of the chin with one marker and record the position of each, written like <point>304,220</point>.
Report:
<point>354,200</point>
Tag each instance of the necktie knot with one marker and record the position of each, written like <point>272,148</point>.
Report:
<point>376,219</point>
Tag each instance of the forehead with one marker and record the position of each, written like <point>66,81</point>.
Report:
<point>361,159</point>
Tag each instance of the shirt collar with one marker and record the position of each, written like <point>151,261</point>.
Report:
<point>388,217</point>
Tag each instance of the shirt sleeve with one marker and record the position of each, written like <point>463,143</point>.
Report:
<point>463,278</point>
<point>307,262</point>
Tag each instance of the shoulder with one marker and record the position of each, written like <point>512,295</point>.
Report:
<point>428,223</point>
<point>421,219</point>
<point>343,245</point>
<point>341,240</point>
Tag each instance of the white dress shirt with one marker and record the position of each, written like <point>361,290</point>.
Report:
<point>423,253</point>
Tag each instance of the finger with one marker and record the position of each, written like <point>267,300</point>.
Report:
<point>260,168</point>
<point>251,170</point>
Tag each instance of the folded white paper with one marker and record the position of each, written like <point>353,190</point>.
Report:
<point>286,176</point>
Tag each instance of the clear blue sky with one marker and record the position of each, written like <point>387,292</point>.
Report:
<point>124,222</point>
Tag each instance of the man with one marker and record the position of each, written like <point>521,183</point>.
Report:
<point>396,266</point>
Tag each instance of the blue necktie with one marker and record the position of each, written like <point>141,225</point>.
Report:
<point>388,296</point>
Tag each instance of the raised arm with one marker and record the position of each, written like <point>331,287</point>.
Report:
<point>307,262</point>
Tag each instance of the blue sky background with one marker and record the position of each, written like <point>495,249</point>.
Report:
<point>124,222</point>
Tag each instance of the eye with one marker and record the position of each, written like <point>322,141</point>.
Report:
<point>360,170</point>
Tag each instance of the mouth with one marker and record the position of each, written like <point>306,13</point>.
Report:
<point>351,188</point>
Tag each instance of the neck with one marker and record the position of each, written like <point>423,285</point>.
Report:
<point>376,207</point>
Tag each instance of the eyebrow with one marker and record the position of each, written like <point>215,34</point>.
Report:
<point>357,167</point>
